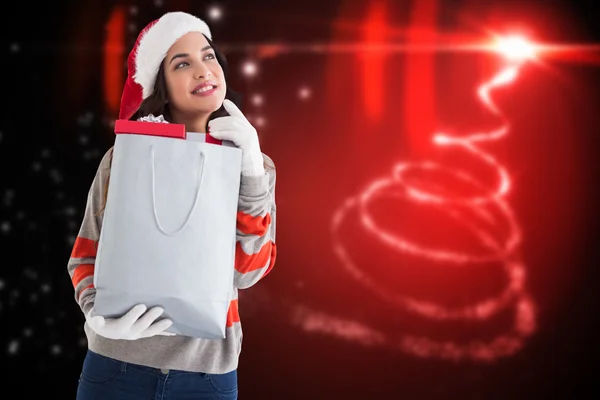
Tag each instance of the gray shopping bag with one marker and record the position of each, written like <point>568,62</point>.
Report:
<point>169,229</point>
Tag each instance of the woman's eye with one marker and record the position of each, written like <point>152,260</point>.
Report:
<point>209,56</point>
<point>181,64</point>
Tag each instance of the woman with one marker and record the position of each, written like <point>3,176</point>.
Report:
<point>176,73</point>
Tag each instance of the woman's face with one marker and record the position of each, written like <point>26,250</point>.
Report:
<point>194,77</point>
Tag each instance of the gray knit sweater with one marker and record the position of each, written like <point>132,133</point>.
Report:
<point>255,256</point>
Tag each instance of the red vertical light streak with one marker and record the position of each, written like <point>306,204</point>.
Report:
<point>419,96</point>
<point>113,53</point>
<point>372,61</point>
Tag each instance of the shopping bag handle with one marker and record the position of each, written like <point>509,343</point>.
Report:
<point>189,217</point>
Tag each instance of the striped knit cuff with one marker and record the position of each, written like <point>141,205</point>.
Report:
<point>87,304</point>
<point>254,186</point>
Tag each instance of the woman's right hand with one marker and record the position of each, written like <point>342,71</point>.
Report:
<point>131,326</point>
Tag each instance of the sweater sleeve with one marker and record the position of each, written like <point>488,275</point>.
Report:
<point>83,255</point>
<point>255,241</point>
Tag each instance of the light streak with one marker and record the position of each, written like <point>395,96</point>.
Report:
<point>517,52</point>
<point>268,50</point>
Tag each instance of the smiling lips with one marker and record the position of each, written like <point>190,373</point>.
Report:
<point>205,89</point>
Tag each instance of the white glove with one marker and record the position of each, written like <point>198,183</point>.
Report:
<point>237,129</point>
<point>132,325</point>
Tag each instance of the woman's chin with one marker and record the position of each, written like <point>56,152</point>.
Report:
<point>209,105</point>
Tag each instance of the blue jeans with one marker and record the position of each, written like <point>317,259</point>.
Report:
<point>105,378</point>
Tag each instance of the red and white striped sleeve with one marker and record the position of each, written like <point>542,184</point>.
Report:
<point>83,255</point>
<point>256,250</point>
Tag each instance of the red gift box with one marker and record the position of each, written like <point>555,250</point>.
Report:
<point>175,131</point>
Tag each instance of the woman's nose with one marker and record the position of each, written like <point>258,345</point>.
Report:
<point>202,72</point>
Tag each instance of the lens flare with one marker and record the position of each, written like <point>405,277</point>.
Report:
<point>515,48</point>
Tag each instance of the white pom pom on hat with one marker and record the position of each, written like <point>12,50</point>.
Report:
<point>149,51</point>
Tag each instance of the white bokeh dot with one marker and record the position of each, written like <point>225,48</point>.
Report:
<point>215,13</point>
<point>13,346</point>
<point>9,195</point>
<point>260,121</point>
<point>257,99</point>
<point>56,175</point>
<point>70,211</point>
<point>30,273</point>
<point>86,119</point>
<point>249,68</point>
<point>304,93</point>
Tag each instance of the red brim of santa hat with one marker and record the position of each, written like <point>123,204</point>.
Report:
<point>149,51</point>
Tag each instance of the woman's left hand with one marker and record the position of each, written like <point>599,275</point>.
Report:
<point>237,129</point>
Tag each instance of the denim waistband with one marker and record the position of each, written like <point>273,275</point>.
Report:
<point>145,369</point>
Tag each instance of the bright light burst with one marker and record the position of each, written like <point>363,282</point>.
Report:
<point>516,48</point>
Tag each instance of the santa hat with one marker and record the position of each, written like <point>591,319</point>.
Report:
<point>148,52</point>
